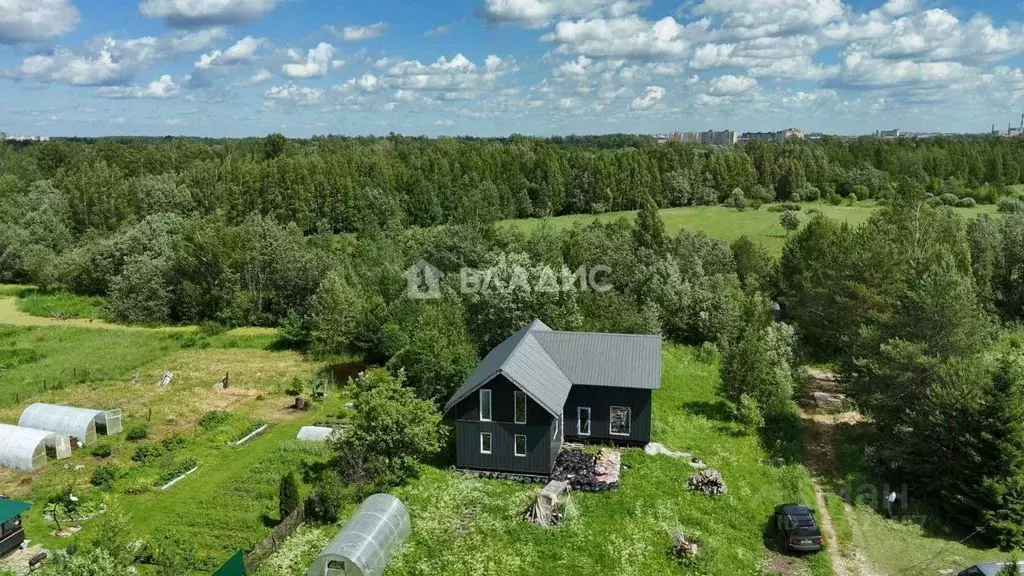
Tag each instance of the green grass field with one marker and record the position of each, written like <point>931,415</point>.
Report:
<point>61,305</point>
<point>470,526</point>
<point>729,223</point>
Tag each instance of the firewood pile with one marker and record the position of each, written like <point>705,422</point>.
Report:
<point>684,550</point>
<point>579,469</point>
<point>708,482</point>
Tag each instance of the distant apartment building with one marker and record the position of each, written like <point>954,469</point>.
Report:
<point>780,136</point>
<point>719,137</point>
<point>888,134</point>
<point>23,137</point>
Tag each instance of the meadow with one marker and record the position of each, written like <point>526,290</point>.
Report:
<point>464,525</point>
<point>728,223</point>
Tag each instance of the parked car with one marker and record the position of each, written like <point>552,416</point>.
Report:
<point>989,568</point>
<point>795,523</point>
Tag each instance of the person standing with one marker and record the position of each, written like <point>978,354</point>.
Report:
<point>889,501</point>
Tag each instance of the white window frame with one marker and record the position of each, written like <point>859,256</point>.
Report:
<point>490,411</point>
<point>490,443</point>
<point>590,422</point>
<point>515,408</point>
<point>515,446</point>
<point>629,420</point>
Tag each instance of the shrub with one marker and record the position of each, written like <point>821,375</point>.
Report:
<point>214,419</point>
<point>737,200</point>
<point>748,414</point>
<point>1011,206</point>
<point>966,202</point>
<point>833,199</point>
<point>707,353</point>
<point>288,495</point>
<point>325,503</point>
<point>101,450</point>
<point>137,432</point>
<point>948,199</point>
<point>146,453</point>
<point>852,198</point>
<point>105,476</point>
<point>789,220</point>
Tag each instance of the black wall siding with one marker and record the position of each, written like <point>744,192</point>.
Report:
<point>539,431</point>
<point>600,399</point>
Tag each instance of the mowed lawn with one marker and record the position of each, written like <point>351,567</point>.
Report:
<point>464,525</point>
<point>729,224</point>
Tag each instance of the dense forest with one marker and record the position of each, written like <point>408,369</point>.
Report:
<point>915,306</point>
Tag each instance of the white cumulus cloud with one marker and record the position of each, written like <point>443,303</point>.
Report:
<point>653,96</point>
<point>191,13</point>
<point>317,61</point>
<point>358,33</point>
<point>35,20</point>
<point>729,85</point>
<point>290,92</point>
<point>161,88</point>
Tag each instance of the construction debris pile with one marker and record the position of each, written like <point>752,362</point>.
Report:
<point>683,550</point>
<point>587,472</point>
<point>549,507</point>
<point>655,448</point>
<point>708,482</point>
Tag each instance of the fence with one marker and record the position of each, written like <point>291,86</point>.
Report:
<point>278,535</point>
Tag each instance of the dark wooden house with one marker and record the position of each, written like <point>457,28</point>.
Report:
<point>542,387</point>
<point>11,532</point>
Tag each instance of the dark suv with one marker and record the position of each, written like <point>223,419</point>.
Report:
<point>795,523</point>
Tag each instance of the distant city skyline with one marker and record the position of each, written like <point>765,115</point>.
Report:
<point>497,67</point>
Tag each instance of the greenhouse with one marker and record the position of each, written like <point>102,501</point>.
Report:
<point>379,526</point>
<point>315,433</point>
<point>25,448</point>
<point>80,423</point>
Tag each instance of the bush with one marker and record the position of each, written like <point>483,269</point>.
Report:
<point>288,495</point>
<point>214,419</point>
<point>948,199</point>
<point>137,432</point>
<point>105,476</point>
<point>852,198</point>
<point>707,353</point>
<point>789,221</point>
<point>748,414</point>
<point>785,207</point>
<point>101,450</point>
<point>833,199</point>
<point>324,504</point>
<point>966,202</point>
<point>1011,206</point>
<point>737,200</point>
<point>146,453</point>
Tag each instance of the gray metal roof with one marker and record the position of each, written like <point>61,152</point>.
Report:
<point>598,359</point>
<point>545,364</point>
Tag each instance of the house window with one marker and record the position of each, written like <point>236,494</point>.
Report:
<point>485,442</point>
<point>520,445</point>
<point>520,407</point>
<point>619,420</point>
<point>485,405</point>
<point>583,421</point>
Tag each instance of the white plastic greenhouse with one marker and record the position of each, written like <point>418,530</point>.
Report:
<point>26,448</point>
<point>379,526</point>
<point>81,423</point>
<point>315,433</point>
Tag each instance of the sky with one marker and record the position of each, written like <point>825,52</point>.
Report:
<point>498,67</point>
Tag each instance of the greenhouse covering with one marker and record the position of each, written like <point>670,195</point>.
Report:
<point>23,448</point>
<point>315,433</point>
<point>80,423</point>
<point>379,526</point>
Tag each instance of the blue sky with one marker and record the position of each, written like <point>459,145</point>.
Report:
<point>495,67</point>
